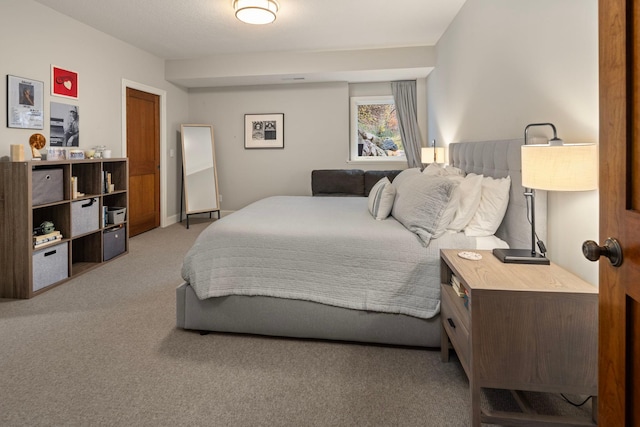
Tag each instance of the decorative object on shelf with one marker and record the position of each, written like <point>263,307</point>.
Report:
<point>76,154</point>
<point>264,130</point>
<point>45,227</point>
<point>90,154</point>
<point>257,12</point>
<point>37,141</point>
<point>24,103</point>
<point>17,153</point>
<point>64,82</point>
<point>554,166</point>
<point>98,151</point>
<point>56,153</point>
<point>65,125</point>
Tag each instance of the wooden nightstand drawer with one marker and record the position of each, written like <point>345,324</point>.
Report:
<point>455,323</point>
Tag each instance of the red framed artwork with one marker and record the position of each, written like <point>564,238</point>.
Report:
<point>64,82</point>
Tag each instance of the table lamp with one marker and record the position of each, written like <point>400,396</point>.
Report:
<point>432,154</point>
<point>552,167</point>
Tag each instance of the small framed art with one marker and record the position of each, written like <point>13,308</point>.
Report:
<point>25,103</point>
<point>264,130</point>
<point>64,82</point>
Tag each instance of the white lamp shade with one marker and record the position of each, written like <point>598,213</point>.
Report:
<point>567,167</point>
<point>256,11</point>
<point>427,154</point>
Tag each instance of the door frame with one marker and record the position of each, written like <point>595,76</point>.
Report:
<point>164,221</point>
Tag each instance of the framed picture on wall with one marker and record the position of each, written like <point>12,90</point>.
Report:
<point>264,130</point>
<point>64,82</point>
<point>65,125</point>
<point>25,103</point>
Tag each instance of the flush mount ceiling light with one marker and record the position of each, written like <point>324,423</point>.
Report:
<point>256,11</point>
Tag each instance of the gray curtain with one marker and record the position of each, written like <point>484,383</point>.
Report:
<point>404,96</point>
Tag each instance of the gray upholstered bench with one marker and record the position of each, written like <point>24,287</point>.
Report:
<point>347,182</point>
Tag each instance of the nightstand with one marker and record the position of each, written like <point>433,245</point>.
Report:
<point>521,328</point>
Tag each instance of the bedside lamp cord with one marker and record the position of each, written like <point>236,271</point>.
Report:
<point>540,243</point>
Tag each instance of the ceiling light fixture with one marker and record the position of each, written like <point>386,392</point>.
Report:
<point>256,11</point>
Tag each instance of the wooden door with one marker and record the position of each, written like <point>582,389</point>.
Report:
<point>619,307</point>
<point>143,151</point>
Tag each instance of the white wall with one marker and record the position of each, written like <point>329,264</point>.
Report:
<point>101,61</point>
<point>316,131</point>
<point>504,64</point>
<point>316,128</point>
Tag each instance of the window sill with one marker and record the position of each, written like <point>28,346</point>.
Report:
<point>379,161</point>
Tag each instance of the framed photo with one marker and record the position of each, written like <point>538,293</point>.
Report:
<point>65,125</point>
<point>264,130</point>
<point>64,82</point>
<point>25,103</point>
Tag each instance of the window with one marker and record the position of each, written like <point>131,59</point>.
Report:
<point>374,130</point>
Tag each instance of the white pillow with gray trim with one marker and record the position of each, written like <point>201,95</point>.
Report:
<point>381,198</point>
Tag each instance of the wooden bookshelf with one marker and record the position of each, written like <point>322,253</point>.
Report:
<point>25,275</point>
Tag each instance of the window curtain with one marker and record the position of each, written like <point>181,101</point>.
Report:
<point>404,96</point>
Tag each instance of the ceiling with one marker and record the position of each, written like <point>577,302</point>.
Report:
<point>307,35</point>
<point>208,27</point>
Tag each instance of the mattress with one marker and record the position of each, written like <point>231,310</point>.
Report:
<point>321,249</point>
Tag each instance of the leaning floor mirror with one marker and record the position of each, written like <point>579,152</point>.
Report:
<point>199,174</point>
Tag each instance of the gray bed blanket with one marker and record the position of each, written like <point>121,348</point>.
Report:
<point>323,249</point>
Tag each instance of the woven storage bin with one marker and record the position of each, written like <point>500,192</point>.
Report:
<point>50,265</point>
<point>85,216</point>
<point>47,186</point>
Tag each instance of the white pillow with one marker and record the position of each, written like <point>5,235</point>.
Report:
<point>434,169</point>
<point>492,207</point>
<point>421,205</point>
<point>470,190</point>
<point>437,169</point>
<point>452,170</point>
<point>381,198</point>
<point>397,181</point>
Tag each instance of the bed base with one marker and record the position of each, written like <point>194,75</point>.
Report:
<point>301,319</point>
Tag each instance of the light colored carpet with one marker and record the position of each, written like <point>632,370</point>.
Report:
<point>103,349</point>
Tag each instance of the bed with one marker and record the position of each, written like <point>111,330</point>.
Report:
<point>289,266</point>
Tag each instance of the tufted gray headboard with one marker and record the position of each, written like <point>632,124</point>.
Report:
<point>499,159</point>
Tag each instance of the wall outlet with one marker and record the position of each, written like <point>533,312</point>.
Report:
<point>219,197</point>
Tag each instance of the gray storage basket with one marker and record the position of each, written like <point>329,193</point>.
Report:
<point>114,242</point>
<point>47,186</point>
<point>85,216</point>
<point>50,265</point>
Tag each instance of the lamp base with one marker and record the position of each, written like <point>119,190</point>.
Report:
<point>519,256</point>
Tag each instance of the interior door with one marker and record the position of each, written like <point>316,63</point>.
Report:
<point>143,151</point>
<point>619,307</point>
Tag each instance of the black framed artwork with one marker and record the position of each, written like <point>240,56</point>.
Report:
<point>264,130</point>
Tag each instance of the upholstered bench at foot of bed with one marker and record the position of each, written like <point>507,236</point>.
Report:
<point>301,319</point>
<point>347,182</point>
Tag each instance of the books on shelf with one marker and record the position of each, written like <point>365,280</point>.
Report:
<point>107,185</point>
<point>46,239</point>
<point>74,188</point>
<point>457,286</point>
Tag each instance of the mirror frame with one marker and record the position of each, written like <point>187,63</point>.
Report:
<point>185,162</point>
